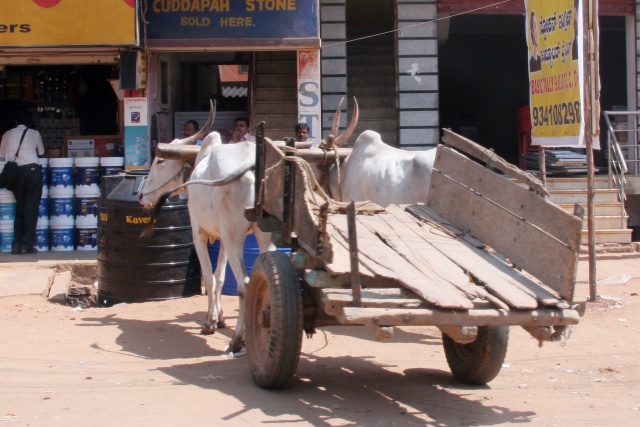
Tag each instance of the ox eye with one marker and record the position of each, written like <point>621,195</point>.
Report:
<point>160,160</point>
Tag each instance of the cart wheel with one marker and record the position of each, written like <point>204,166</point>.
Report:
<point>273,320</point>
<point>480,361</point>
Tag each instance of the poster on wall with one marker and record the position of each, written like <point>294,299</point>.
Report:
<point>556,81</point>
<point>309,110</point>
<point>136,133</point>
<point>67,23</point>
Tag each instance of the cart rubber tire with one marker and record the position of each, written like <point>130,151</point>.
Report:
<point>274,297</point>
<point>480,361</point>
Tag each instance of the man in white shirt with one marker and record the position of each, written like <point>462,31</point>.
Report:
<point>29,190</point>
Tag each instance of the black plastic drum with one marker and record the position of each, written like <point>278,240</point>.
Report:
<point>135,269</point>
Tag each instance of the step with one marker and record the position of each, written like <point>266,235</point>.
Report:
<point>604,222</point>
<point>270,108</point>
<point>608,236</point>
<point>372,92</point>
<point>367,80</point>
<point>277,67</point>
<point>384,68</point>
<point>599,209</point>
<point>277,122</point>
<point>277,81</point>
<point>580,196</point>
<point>281,94</point>
<point>599,182</point>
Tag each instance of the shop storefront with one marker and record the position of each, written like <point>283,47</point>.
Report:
<point>59,60</point>
<point>243,55</point>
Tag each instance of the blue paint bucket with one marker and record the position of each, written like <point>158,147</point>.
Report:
<point>87,172</point>
<point>6,235</point>
<point>42,235</point>
<point>61,204</point>
<point>250,253</point>
<point>86,235</point>
<point>7,205</point>
<point>61,237</point>
<point>44,162</point>
<point>43,209</point>
<point>86,203</point>
<point>60,173</point>
<point>111,165</point>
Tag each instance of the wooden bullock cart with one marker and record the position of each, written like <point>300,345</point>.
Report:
<point>484,253</point>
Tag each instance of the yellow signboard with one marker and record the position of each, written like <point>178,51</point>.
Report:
<point>554,39</point>
<point>33,23</point>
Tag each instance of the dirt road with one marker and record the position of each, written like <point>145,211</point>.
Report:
<point>147,364</point>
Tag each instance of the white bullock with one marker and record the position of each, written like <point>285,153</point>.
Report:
<point>216,212</point>
<point>383,174</point>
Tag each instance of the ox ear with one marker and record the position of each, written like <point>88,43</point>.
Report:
<point>204,131</point>
<point>352,125</point>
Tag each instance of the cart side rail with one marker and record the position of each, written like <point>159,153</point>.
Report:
<point>532,232</point>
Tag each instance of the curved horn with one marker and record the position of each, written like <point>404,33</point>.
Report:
<point>177,152</point>
<point>352,125</point>
<point>204,130</point>
<point>336,119</point>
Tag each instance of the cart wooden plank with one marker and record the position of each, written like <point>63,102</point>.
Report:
<point>466,258</point>
<point>550,258</point>
<point>475,317</point>
<point>373,253</point>
<point>476,262</point>
<point>411,245</point>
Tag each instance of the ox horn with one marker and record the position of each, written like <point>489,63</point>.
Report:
<point>336,119</point>
<point>204,131</point>
<point>352,124</point>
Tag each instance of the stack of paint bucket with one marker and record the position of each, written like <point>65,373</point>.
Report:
<point>111,165</point>
<point>87,190</point>
<point>61,218</point>
<point>42,228</point>
<point>7,217</point>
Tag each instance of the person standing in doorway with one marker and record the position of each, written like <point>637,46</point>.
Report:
<point>191,127</point>
<point>302,132</point>
<point>24,146</point>
<point>241,131</point>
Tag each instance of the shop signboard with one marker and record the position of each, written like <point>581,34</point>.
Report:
<point>309,110</point>
<point>249,22</point>
<point>136,133</point>
<point>43,23</point>
<point>556,79</point>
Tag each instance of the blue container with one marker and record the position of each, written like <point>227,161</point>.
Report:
<point>61,238</point>
<point>60,173</point>
<point>42,238</point>
<point>250,253</point>
<point>86,203</point>
<point>61,205</point>
<point>87,172</point>
<point>86,237</point>
<point>43,209</point>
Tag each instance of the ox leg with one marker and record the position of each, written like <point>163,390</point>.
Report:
<point>263,239</point>
<point>234,251</point>
<point>200,240</point>
<point>218,281</point>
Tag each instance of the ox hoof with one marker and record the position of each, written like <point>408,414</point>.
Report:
<point>207,330</point>
<point>221,324</point>
<point>235,350</point>
<point>234,355</point>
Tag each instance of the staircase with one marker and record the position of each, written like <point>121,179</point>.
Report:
<point>275,99</point>
<point>609,221</point>
<point>371,79</point>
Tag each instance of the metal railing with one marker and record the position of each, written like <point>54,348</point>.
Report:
<point>622,151</point>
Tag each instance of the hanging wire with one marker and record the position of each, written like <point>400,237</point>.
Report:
<point>421,23</point>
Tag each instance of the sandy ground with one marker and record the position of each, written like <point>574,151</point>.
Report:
<point>146,364</point>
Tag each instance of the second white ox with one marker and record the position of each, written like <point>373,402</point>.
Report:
<point>383,174</point>
<point>216,212</point>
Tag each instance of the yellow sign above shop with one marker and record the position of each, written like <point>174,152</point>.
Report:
<point>33,23</point>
